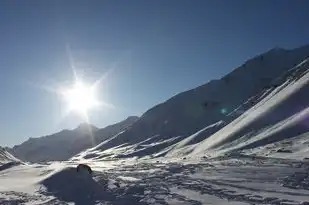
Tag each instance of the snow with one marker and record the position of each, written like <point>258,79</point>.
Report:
<point>278,115</point>
<point>6,157</point>
<point>216,181</point>
<point>203,198</point>
<point>128,178</point>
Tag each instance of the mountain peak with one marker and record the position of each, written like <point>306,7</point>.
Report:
<point>132,118</point>
<point>86,127</point>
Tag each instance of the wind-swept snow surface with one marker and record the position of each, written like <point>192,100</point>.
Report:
<point>225,180</point>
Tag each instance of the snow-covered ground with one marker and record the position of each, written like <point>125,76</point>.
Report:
<point>240,179</point>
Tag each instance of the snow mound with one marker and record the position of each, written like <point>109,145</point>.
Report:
<point>69,185</point>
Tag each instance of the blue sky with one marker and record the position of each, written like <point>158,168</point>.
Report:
<point>152,50</point>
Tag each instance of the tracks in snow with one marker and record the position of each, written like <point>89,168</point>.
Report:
<point>228,180</point>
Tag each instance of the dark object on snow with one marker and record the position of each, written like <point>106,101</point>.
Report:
<point>184,158</point>
<point>84,168</point>
<point>284,150</point>
<point>117,184</point>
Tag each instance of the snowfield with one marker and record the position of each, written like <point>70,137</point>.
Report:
<point>240,179</point>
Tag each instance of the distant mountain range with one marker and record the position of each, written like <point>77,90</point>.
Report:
<point>67,143</point>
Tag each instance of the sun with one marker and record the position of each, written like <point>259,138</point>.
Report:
<point>80,97</point>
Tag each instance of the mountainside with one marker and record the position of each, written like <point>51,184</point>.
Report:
<point>111,130</point>
<point>67,143</point>
<point>219,112</point>
<point>6,157</point>
<point>277,114</point>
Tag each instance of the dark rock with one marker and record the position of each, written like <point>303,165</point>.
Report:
<point>284,150</point>
<point>84,168</point>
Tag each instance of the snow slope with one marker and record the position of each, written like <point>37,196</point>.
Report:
<point>6,157</point>
<point>67,143</point>
<point>281,114</point>
<point>7,160</point>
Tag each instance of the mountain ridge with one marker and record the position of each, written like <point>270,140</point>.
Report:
<point>66,143</point>
<point>189,112</point>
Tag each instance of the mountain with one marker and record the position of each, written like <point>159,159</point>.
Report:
<point>6,157</point>
<point>192,121</point>
<point>85,128</point>
<point>67,143</point>
<point>111,130</point>
<point>276,120</point>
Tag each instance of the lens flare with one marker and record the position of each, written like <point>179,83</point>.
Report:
<point>223,111</point>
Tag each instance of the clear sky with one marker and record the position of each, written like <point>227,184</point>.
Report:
<point>151,50</point>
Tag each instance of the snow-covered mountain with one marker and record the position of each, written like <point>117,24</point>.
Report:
<point>6,157</point>
<point>250,100</point>
<point>111,130</point>
<point>276,114</point>
<point>67,143</point>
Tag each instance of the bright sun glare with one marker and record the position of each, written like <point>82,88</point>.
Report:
<point>80,97</point>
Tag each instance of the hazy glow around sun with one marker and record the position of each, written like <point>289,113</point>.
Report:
<point>80,97</point>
